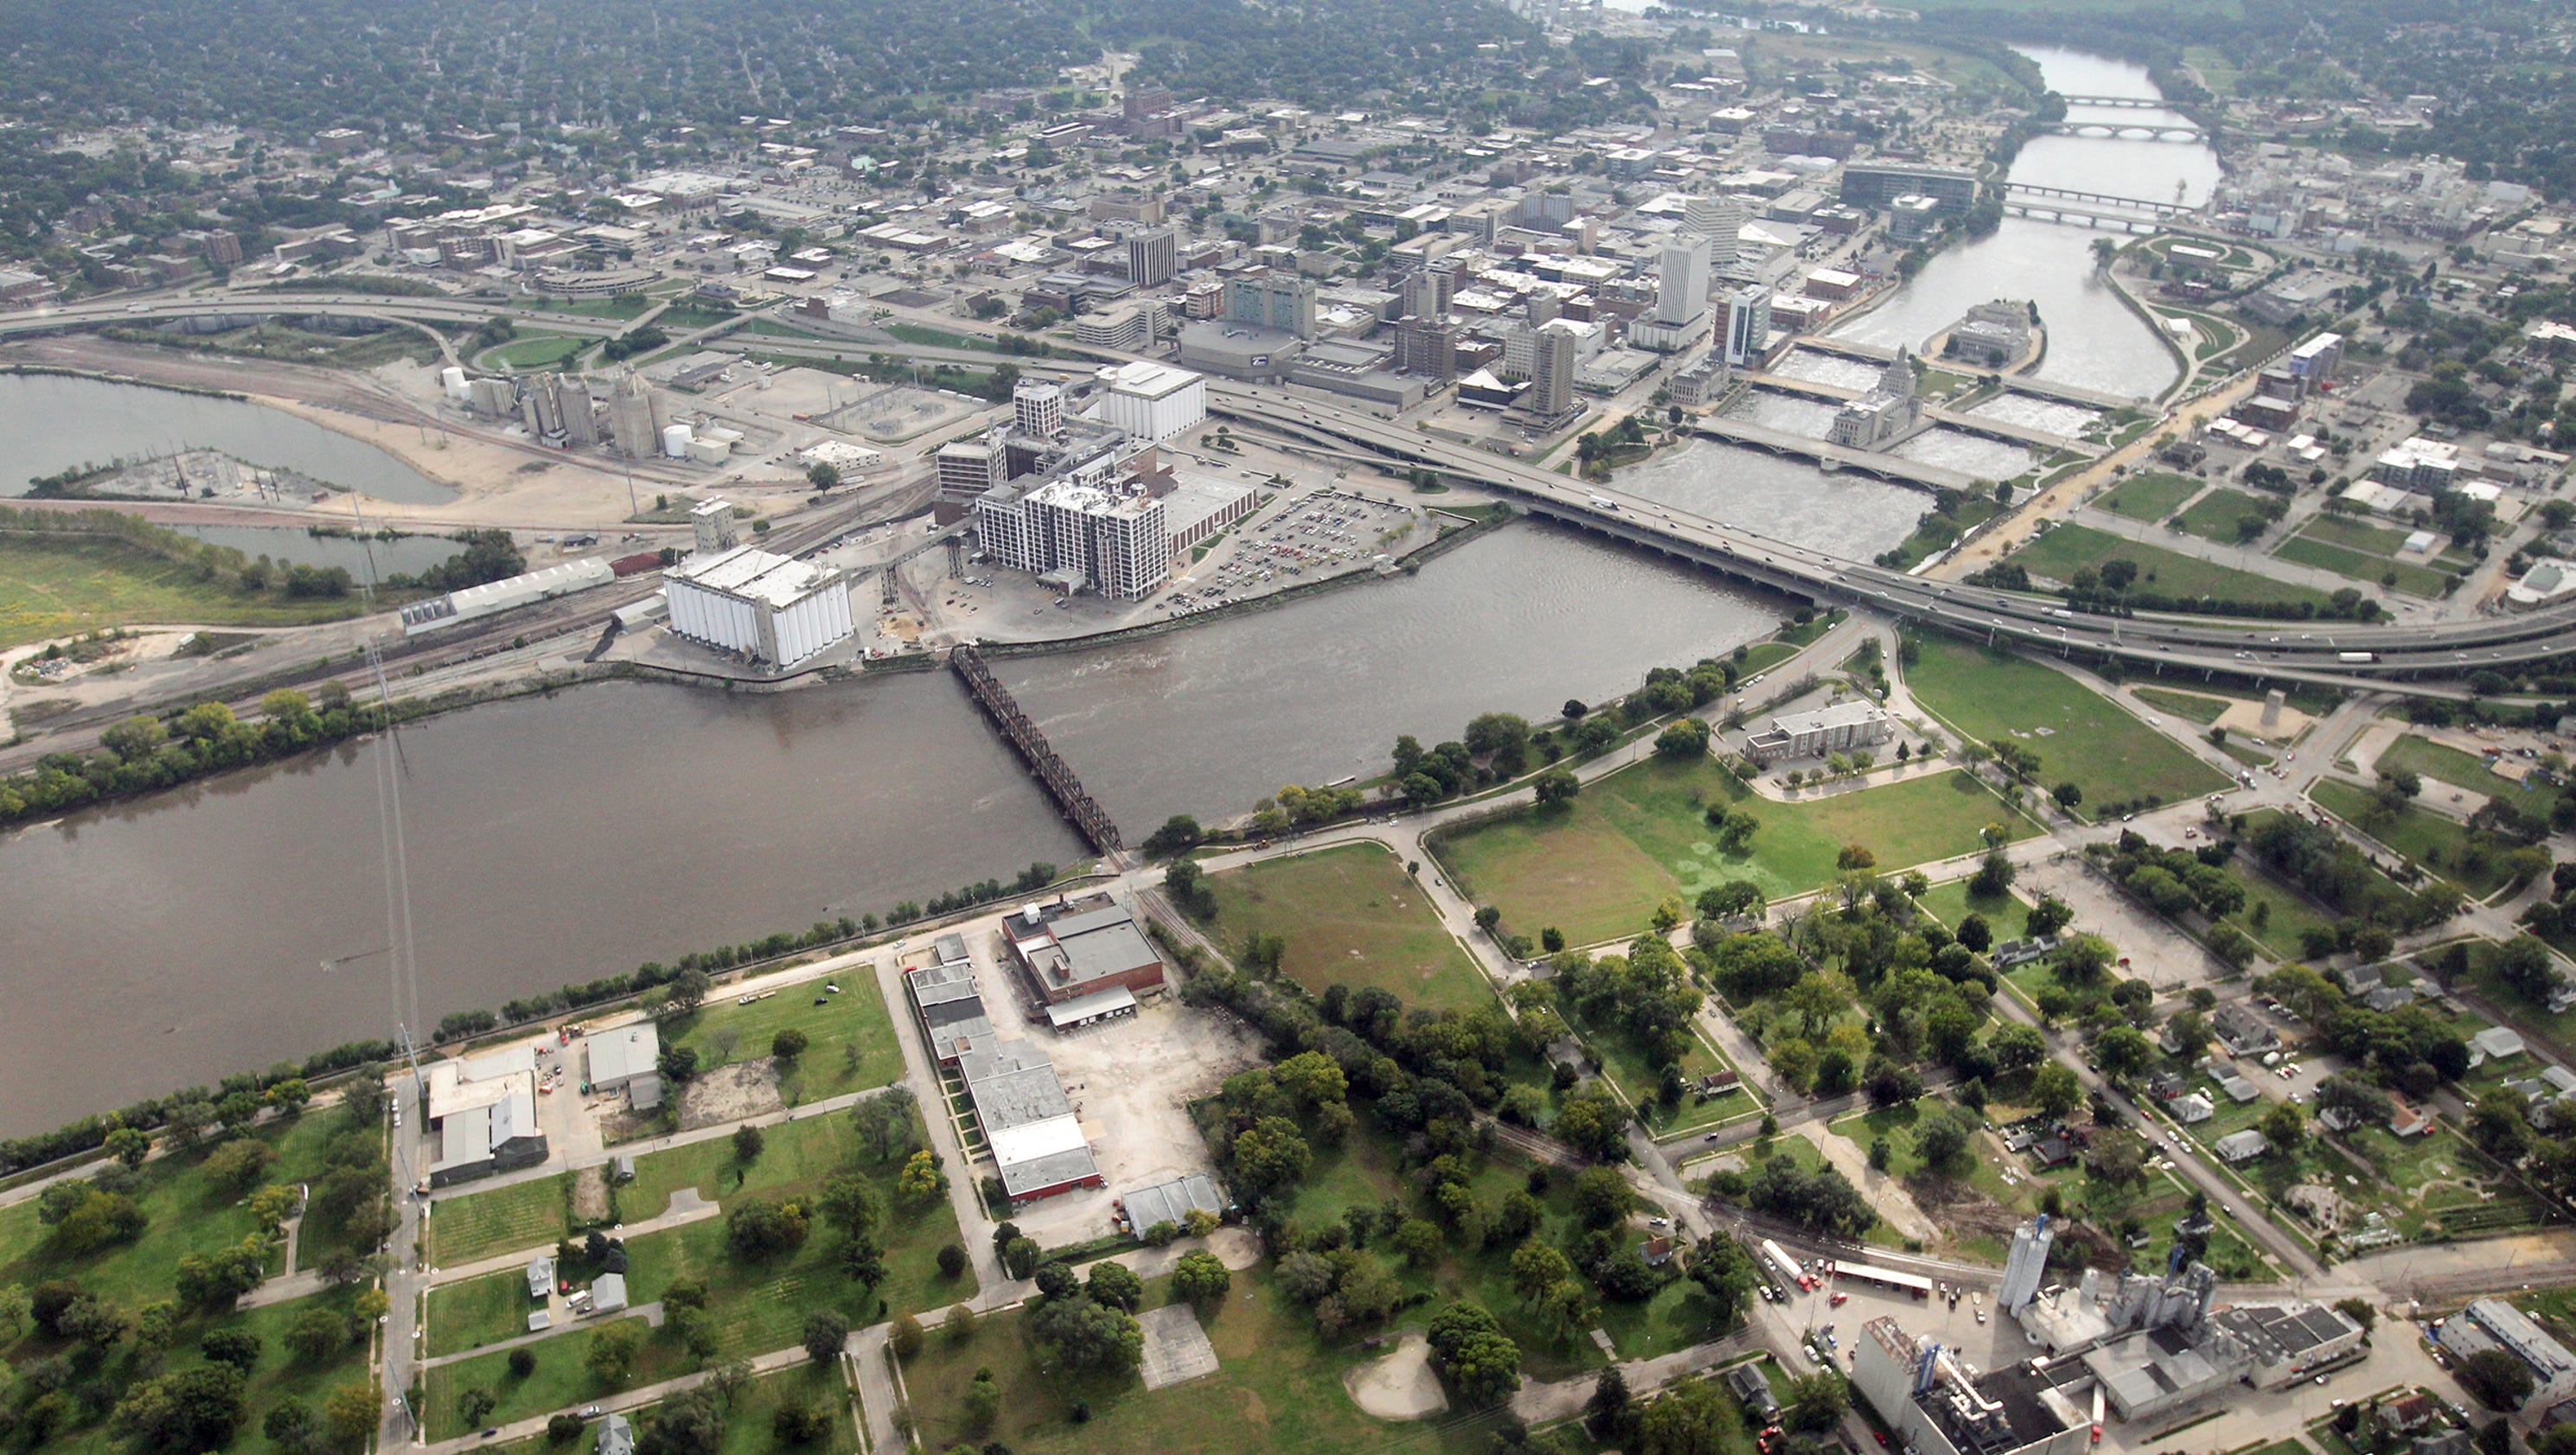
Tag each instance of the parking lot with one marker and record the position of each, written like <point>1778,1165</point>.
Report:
<point>1308,537</point>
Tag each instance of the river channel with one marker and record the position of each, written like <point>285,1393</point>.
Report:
<point>555,839</point>
<point>558,838</point>
<point>50,423</point>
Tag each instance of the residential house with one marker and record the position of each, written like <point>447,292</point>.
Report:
<point>2242,1030</point>
<point>2242,1146</point>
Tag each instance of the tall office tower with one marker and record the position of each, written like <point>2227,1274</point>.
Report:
<point>1748,324</point>
<point>1153,256</point>
<point>1552,373</point>
<point>1681,292</point>
<point>1720,220</point>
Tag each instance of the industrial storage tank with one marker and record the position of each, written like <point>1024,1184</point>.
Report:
<point>452,379</point>
<point>675,441</point>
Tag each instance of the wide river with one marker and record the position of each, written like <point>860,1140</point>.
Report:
<point>558,838</point>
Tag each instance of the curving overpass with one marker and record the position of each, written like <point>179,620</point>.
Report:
<point>2312,651</point>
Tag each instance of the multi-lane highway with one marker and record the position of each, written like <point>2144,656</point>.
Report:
<point>2329,652</point>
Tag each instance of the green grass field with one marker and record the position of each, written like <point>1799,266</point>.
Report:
<point>2151,496</point>
<point>2213,517</point>
<point>850,1044</point>
<point>1951,902</point>
<point>477,1311</point>
<point>540,351</point>
<point>58,586</point>
<point>767,1302</point>
<point>2197,707</point>
<point>1597,868</point>
<point>558,1382</point>
<point>2402,576</point>
<point>2445,846</point>
<point>1351,916</point>
<point>522,1215</point>
<point>2429,759</point>
<point>2061,552</point>
<point>185,1214</point>
<point>2087,740</point>
<point>2282,911</point>
<point>748,1428</point>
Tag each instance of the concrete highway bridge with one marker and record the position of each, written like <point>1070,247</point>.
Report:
<point>2421,659</point>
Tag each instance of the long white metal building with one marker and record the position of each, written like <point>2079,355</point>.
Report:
<point>767,607</point>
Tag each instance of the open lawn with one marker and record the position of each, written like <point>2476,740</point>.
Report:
<point>623,305</point>
<point>761,1306</point>
<point>1278,1387</point>
<point>2079,735</point>
<point>2060,553</point>
<point>1597,868</point>
<point>1951,902</point>
<point>184,1214</point>
<point>849,1039</point>
<point>2198,707</point>
<point>2473,861</point>
<point>560,1380</point>
<point>1351,916</point>
<point>542,351</point>
<point>2214,516</point>
<point>53,586</point>
<point>2429,759</point>
<point>478,1311</point>
<point>2402,576</point>
<point>2151,496</point>
<point>522,1215</point>
<point>2275,914</point>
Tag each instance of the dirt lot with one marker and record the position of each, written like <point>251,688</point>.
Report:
<point>1130,1080</point>
<point>2155,954</point>
<point>731,1093</point>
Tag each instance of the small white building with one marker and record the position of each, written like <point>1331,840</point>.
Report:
<point>765,606</point>
<point>1835,729</point>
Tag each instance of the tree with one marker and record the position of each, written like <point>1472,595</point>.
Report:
<point>799,1423</point>
<point>2495,1379</point>
<point>1270,1155</point>
<point>1200,1276</point>
<point>1179,834</point>
<point>747,1142</point>
<point>1555,786</point>
<point>921,1179</point>
<point>689,1423</point>
<point>1685,740</point>
<point>1087,1334</point>
<point>1816,1402</point>
<point>475,1403</point>
<point>1470,1348</point>
<point>236,1347</point>
<point>1418,1240</point>
<point>825,1332</point>
<point>522,1362</point>
<point>788,1044</point>
<point>2124,1052</point>
<point>1115,1284</point>
<point>1538,1271</point>
<point>129,1146</point>
<point>2284,1128</point>
<point>316,1334</point>
<point>1602,1197</point>
<point>236,1166</point>
<point>823,475</point>
<point>906,1336</point>
<point>612,1352</point>
<point>2055,1091</point>
<point>689,988</point>
<point>195,1409</point>
<point>349,1413</point>
<point>1593,1122</point>
<point>952,1260</point>
<point>760,1228</point>
<point>564,1428</point>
